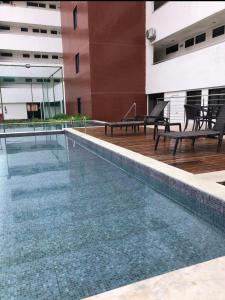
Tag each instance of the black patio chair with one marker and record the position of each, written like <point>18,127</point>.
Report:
<point>156,115</point>
<point>217,131</point>
<point>192,112</point>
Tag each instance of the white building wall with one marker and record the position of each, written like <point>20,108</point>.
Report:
<point>30,43</point>
<point>204,68</point>
<point>173,16</point>
<point>35,16</point>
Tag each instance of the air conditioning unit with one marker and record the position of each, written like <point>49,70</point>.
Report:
<point>151,34</point>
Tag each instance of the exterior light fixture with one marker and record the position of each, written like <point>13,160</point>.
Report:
<point>27,66</point>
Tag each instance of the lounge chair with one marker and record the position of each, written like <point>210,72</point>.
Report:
<point>217,131</point>
<point>156,115</point>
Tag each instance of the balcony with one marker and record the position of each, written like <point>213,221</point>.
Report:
<point>200,69</point>
<point>175,16</point>
<point>25,15</point>
<point>20,42</point>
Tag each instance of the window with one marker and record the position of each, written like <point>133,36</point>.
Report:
<point>53,32</point>
<point>42,5</point>
<point>189,43</point>
<point>218,31</point>
<point>56,80</point>
<point>6,54</point>
<point>75,18</point>
<point>172,49</point>
<point>26,55</point>
<point>216,96</point>
<point>44,56</point>
<point>43,31</point>
<point>194,97</point>
<point>24,29</point>
<point>46,80</point>
<point>8,79</point>
<point>6,2</point>
<point>35,4</point>
<point>200,38</point>
<point>28,79</point>
<point>79,105</point>
<point>35,30</point>
<point>77,63</point>
<point>55,57</point>
<point>52,6</point>
<point>37,56</point>
<point>39,80</point>
<point>3,27</point>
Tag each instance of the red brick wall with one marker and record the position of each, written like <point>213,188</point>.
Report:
<point>76,41</point>
<point>117,56</point>
<point>111,41</point>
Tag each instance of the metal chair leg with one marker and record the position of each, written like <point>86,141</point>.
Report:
<point>157,142</point>
<point>175,147</point>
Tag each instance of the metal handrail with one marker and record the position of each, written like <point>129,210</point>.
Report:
<point>129,110</point>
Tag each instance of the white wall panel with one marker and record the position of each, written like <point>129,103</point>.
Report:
<point>15,111</point>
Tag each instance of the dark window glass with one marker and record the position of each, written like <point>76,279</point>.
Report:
<point>26,55</point>
<point>2,27</point>
<point>6,54</point>
<point>194,97</point>
<point>77,63</point>
<point>158,4</point>
<point>52,6</point>
<point>218,31</point>
<point>53,32</point>
<point>32,4</point>
<point>200,38</point>
<point>35,30</point>
<point>28,79</point>
<point>216,96</point>
<point>43,31</point>
<point>46,80</point>
<point>55,57</point>
<point>79,105</point>
<point>189,42</point>
<point>75,18</point>
<point>39,80</point>
<point>24,29</point>
<point>9,79</point>
<point>6,2</point>
<point>56,80</point>
<point>37,56</point>
<point>44,56</point>
<point>172,49</point>
<point>42,5</point>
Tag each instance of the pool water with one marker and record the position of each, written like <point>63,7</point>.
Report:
<point>74,225</point>
<point>45,126</point>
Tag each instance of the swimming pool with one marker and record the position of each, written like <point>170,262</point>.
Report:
<point>18,127</point>
<point>74,224</point>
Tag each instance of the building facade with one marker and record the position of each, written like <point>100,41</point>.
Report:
<point>30,55</point>
<point>104,57</point>
<point>185,53</point>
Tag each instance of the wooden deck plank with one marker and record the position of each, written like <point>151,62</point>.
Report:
<point>202,159</point>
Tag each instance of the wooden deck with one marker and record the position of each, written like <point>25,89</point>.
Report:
<point>202,159</point>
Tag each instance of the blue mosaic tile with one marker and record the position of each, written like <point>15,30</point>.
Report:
<point>74,224</point>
